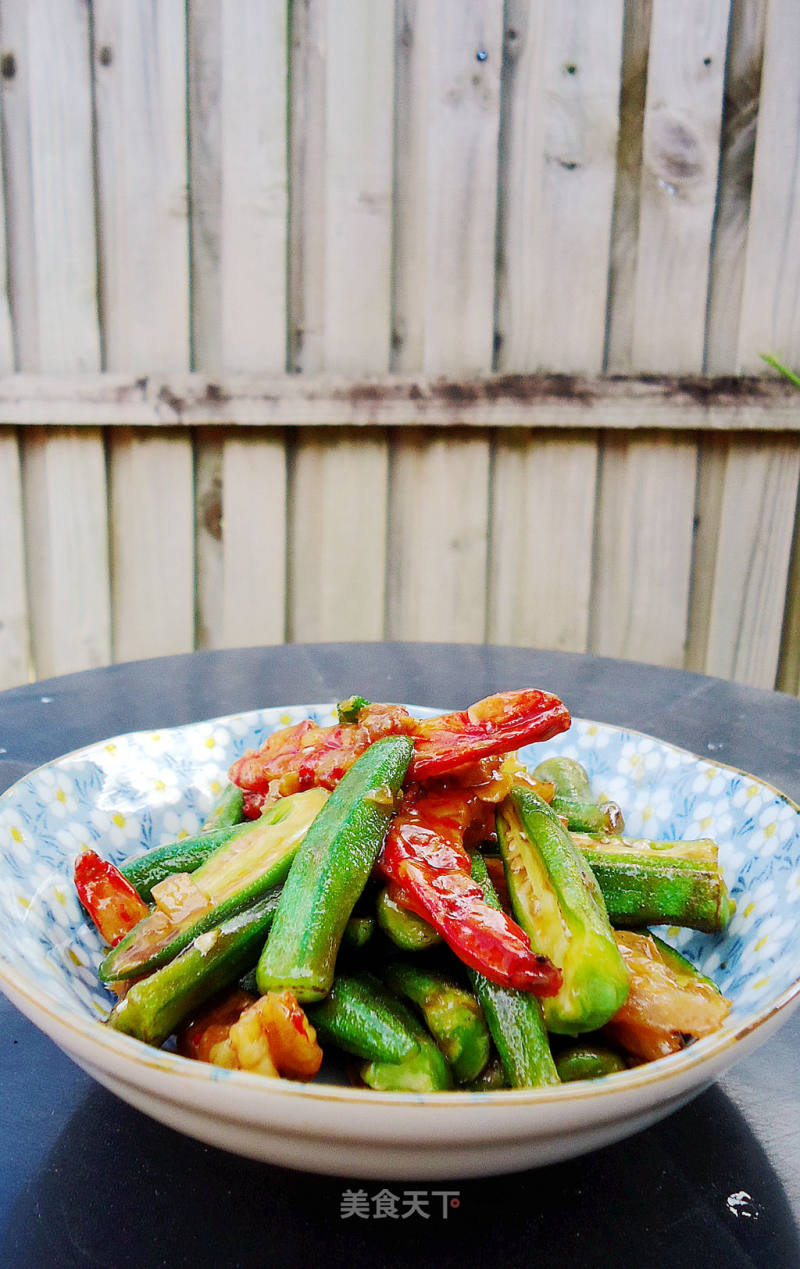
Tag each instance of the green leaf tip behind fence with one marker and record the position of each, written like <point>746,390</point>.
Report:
<point>779,366</point>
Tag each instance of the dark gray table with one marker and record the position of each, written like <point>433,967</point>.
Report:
<point>86,1180</point>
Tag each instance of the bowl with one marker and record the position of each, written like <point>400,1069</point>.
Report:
<point>143,789</point>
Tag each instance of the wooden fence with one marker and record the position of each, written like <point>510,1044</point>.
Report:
<point>408,319</point>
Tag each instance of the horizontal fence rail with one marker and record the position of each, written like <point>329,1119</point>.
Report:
<point>407,319</point>
<point>691,403</point>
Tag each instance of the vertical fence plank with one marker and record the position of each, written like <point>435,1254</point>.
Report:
<point>770,319</point>
<point>48,141</point>
<point>51,230</point>
<point>359,104</point>
<point>446,177</point>
<point>615,556</point>
<point>339,502</point>
<point>254,185</point>
<point>65,541</point>
<point>679,181</point>
<point>239,182</point>
<point>740,120</point>
<point>541,540</point>
<point>756,523</point>
<point>558,152</point>
<point>142,161</point>
<point>557,182</point>
<point>643,557</point>
<point>740,117</point>
<point>758,506</point>
<point>254,501</point>
<point>142,173</point>
<point>448,129</point>
<point>204,54</point>
<point>205,89</point>
<point>643,549</point>
<point>438,496</point>
<point>337,563</point>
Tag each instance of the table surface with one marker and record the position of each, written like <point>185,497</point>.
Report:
<point>87,1180</point>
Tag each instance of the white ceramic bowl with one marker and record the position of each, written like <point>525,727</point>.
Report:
<point>124,794</point>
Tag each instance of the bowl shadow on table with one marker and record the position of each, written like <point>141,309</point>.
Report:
<point>119,1189</point>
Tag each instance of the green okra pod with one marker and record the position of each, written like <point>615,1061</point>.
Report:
<point>574,799</point>
<point>223,823</point>
<point>680,965</point>
<point>557,901</point>
<point>156,1005</point>
<point>514,1018</point>
<point>148,869</point>
<point>451,1014</point>
<point>490,1079</point>
<point>568,777</point>
<point>247,865</point>
<point>330,871</point>
<point>659,887</point>
<point>589,817</point>
<point>588,1061</point>
<point>227,810</point>
<point>403,928</point>
<point>358,931</point>
<point>362,1017</point>
<point>701,850</point>
<point>425,1071</point>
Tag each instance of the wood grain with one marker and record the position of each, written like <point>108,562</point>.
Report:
<point>682,122</point>
<point>685,403</point>
<point>726,280</point>
<point>446,180</point>
<point>437,561</point>
<point>333,319</point>
<point>739,127</point>
<point>239,183</point>
<point>338,556</point>
<point>540,567</point>
<point>750,582</point>
<point>143,218</point>
<point>558,165</point>
<point>559,140</point>
<point>770,319</point>
<point>640,582</point>
<point>53,276</point>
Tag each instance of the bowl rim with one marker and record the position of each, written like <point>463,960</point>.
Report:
<point>698,1055</point>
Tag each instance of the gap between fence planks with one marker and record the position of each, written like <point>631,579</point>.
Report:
<point>689,403</point>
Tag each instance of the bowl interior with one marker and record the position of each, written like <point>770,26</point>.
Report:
<point>145,789</point>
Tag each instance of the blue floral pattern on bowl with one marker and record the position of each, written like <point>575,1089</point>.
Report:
<point>124,795</point>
